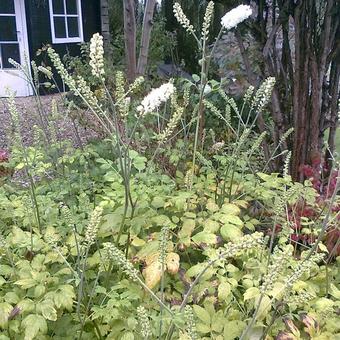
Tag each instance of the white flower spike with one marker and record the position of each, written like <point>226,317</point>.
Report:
<point>234,17</point>
<point>155,98</point>
<point>97,55</point>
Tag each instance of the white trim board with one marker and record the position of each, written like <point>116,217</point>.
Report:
<point>12,77</point>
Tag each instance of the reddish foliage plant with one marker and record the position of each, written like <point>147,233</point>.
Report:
<point>301,211</point>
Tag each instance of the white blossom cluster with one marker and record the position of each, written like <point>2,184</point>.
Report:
<point>65,76</point>
<point>78,85</point>
<point>144,322</point>
<point>303,267</point>
<point>218,146</point>
<point>97,55</point>
<point>155,98</point>
<point>92,228</point>
<point>250,241</point>
<point>234,17</point>
<point>190,322</point>
<point>207,19</point>
<point>182,18</point>
<point>263,94</point>
<point>249,93</point>
<point>111,252</point>
<point>162,137</point>
<point>278,263</point>
<point>48,73</point>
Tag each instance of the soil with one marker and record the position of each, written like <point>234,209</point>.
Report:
<point>29,117</point>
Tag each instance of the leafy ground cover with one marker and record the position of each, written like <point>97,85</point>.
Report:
<point>164,229</point>
<point>63,276</point>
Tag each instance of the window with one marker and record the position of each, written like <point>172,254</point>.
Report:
<point>66,21</point>
<point>9,45</point>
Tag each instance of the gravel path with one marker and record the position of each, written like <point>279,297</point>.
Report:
<point>29,117</point>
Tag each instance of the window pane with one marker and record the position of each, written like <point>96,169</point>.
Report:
<point>58,6</point>
<point>9,51</point>
<point>7,7</point>
<point>71,7</point>
<point>73,30</point>
<point>59,27</point>
<point>8,29</point>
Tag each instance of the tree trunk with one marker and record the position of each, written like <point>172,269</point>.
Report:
<point>334,107</point>
<point>105,24</point>
<point>304,90</point>
<point>130,38</point>
<point>146,35</point>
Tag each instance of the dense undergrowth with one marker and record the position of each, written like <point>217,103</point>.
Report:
<point>162,230</point>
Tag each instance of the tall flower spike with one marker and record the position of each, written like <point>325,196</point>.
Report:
<point>48,73</point>
<point>92,228</point>
<point>163,136</point>
<point>144,322</point>
<point>249,93</point>
<point>207,20</point>
<point>278,264</point>
<point>190,323</point>
<point>263,94</point>
<point>155,98</point>
<point>97,56</point>
<point>113,253</point>
<point>182,18</point>
<point>65,76</point>
<point>164,236</point>
<point>236,16</point>
<point>286,165</point>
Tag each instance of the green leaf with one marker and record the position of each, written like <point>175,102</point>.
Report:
<point>63,297</point>
<point>11,298</point>
<point>212,206</point>
<point>196,78</point>
<point>26,305</point>
<point>158,202</point>
<point>127,336</point>
<point>251,293</point>
<point>230,209</point>
<point>202,314</point>
<point>139,163</point>
<point>4,337</point>
<point>217,321</point>
<point>203,328</point>
<point>334,291</point>
<point>231,232</point>
<point>39,290</point>
<point>264,308</point>
<point>233,329</point>
<point>277,291</point>
<point>323,248</point>
<point>224,290</point>
<point>20,166</point>
<point>33,325</point>
<point>323,304</point>
<point>196,269</point>
<point>204,237</point>
<point>5,310</point>
<point>211,226</point>
<point>26,283</point>
<point>187,228</point>
<point>231,219</point>
<point>47,310</point>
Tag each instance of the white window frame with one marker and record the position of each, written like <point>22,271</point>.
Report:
<point>79,39</point>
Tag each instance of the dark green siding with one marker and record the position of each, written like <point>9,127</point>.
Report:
<point>39,28</point>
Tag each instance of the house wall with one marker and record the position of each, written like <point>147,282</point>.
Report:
<point>39,28</point>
